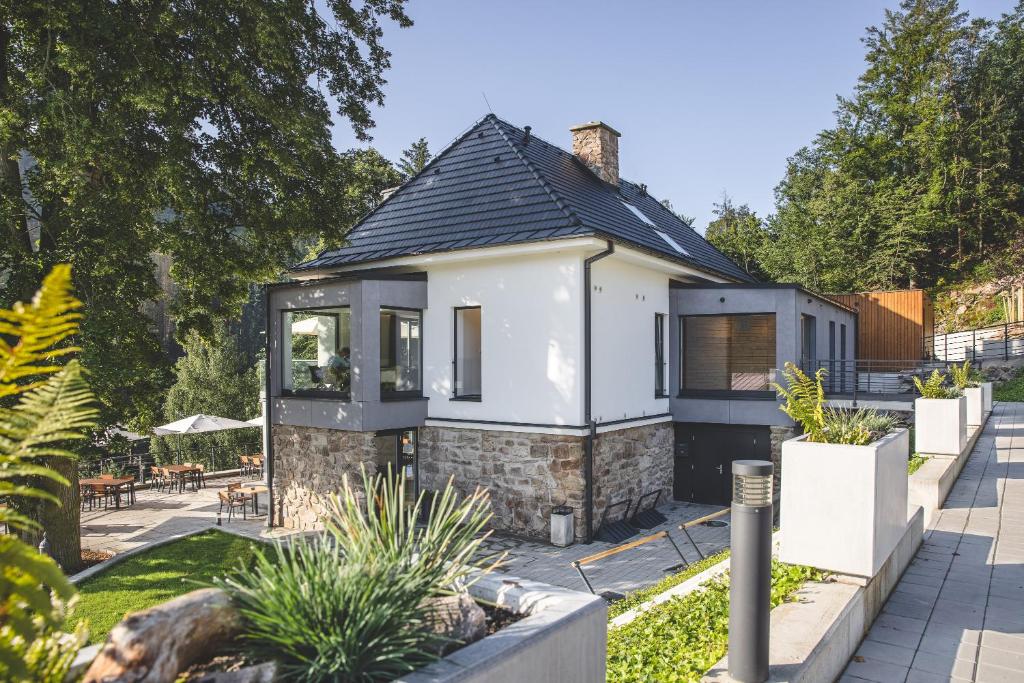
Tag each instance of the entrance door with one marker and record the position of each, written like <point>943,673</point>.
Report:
<point>704,455</point>
<point>396,453</point>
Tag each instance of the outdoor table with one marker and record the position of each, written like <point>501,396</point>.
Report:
<point>253,490</point>
<point>117,483</point>
<point>180,472</point>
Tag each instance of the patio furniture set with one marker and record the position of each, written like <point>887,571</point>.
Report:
<point>106,489</point>
<point>238,496</point>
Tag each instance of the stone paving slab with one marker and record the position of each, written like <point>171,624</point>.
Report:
<point>157,515</point>
<point>957,613</point>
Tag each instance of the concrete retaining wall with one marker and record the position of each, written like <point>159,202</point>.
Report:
<point>929,486</point>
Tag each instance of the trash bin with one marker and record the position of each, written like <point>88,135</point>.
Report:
<point>562,533</point>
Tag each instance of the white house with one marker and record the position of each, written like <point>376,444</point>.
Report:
<point>518,317</point>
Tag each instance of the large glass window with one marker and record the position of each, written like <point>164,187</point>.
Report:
<point>316,356</point>
<point>466,363</point>
<point>400,351</point>
<point>659,354</point>
<point>728,352</point>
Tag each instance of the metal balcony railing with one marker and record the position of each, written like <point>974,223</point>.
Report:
<point>996,342</point>
<point>875,379</point>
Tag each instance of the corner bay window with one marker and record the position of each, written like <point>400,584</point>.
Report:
<point>400,351</point>
<point>316,355</point>
<point>728,353</point>
<point>466,363</point>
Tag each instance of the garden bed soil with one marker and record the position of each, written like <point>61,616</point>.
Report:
<point>93,557</point>
<point>234,660</point>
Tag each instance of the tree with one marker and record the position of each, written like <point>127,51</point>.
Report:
<point>196,130</point>
<point>919,180</point>
<point>414,159</point>
<point>738,233</point>
<point>213,378</point>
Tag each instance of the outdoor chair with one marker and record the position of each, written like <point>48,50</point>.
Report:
<point>201,475</point>
<point>256,467</point>
<point>156,477</point>
<point>88,495</point>
<point>231,503</point>
<point>169,479</point>
<point>245,465</point>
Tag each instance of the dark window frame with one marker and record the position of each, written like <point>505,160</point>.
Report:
<point>660,385</point>
<point>344,396</point>
<point>717,393</point>
<point>455,355</point>
<point>402,395</point>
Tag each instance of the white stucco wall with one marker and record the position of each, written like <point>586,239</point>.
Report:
<point>625,298</point>
<point>531,340</point>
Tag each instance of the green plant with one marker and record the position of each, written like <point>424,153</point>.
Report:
<point>805,399</point>
<point>1010,390</point>
<point>42,404</point>
<point>915,462</point>
<point>354,606</point>
<point>964,376</point>
<point>680,639</point>
<point>934,386</point>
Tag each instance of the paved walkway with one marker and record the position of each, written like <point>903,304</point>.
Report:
<point>957,613</point>
<point>157,515</point>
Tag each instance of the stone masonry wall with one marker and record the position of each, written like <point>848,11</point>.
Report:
<point>631,462</point>
<point>526,474</point>
<point>308,465</point>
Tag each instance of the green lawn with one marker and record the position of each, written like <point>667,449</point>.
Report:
<point>1012,390</point>
<point>157,575</point>
<point>638,597</point>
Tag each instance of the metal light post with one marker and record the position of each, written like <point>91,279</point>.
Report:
<point>750,570</point>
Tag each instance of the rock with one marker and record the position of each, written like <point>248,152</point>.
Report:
<point>154,645</point>
<point>261,673</point>
<point>457,617</point>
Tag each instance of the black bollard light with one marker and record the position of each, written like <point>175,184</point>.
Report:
<point>750,570</point>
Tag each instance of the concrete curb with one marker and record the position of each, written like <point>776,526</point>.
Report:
<point>932,482</point>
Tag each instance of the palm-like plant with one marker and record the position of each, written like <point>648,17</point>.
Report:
<point>42,404</point>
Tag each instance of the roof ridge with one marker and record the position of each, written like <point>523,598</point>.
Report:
<point>555,197</point>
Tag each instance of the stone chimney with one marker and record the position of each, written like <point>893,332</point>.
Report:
<point>597,145</point>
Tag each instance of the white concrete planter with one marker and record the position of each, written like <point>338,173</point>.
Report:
<point>975,397</point>
<point>986,397</point>
<point>940,425</point>
<point>562,640</point>
<point>844,508</point>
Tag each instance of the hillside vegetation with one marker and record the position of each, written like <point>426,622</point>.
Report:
<point>919,181</point>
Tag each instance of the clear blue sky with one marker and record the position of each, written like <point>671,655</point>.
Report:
<point>709,95</point>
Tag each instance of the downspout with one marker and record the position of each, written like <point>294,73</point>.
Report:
<point>268,407</point>
<point>588,446</point>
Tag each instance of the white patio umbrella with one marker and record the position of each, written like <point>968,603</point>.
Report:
<point>197,424</point>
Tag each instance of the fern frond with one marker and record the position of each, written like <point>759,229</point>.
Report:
<point>39,326</point>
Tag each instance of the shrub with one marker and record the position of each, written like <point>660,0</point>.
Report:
<point>964,376</point>
<point>805,398</point>
<point>1010,390</point>
<point>353,605</point>
<point>935,387</point>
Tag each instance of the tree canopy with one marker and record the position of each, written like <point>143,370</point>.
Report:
<point>196,130</point>
<point>414,159</point>
<point>920,179</point>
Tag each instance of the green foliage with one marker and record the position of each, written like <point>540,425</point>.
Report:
<point>935,386</point>
<point>639,597</point>
<point>963,376</point>
<point>414,159</point>
<point>212,378</point>
<point>352,606</point>
<point>915,462</point>
<point>680,639</point>
<point>739,233</point>
<point>158,575</point>
<point>45,405</point>
<point>1010,390</point>
<point>198,131</point>
<point>805,398</point>
<point>919,179</point>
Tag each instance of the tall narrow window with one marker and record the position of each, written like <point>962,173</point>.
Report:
<point>315,352</point>
<point>466,363</point>
<point>400,352</point>
<point>808,337</point>
<point>843,367</point>
<point>659,355</point>
<point>831,355</point>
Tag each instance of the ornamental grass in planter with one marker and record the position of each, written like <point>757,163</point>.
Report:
<point>940,417</point>
<point>359,603</point>
<point>844,482</point>
<point>975,389</point>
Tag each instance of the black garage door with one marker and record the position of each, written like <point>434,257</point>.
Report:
<point>704,455</point>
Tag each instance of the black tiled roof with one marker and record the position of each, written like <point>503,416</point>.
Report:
<point>489,188</point>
